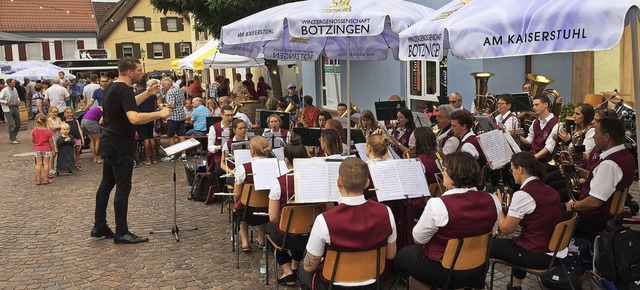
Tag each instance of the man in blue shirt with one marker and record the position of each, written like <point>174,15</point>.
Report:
<point>199,120</point>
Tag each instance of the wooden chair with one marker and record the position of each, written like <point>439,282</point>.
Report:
<point>349,267</point>
<point>559,240</point>
<point>466,254</point>
<point>249,198</point>
<point>294,220</point>
<point>618,199</point>
<point>593,99</point>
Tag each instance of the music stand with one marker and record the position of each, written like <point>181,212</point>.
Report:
<point>421,119</point>
<point>357,136</point>
<point>239,145</point>
<point>309,136</point>
<point>521,102</point>
<point>211,120</point>
<point>388,110</point>
<point>485,122</point>
<point>170,151</point>
<point>274,139</point>
<point>443,100</point>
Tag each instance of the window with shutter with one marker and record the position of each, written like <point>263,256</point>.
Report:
<point>127,50</point>
<point>2,52</point>
<point>158,50</point>
<point>138,24</point>
<point>34,51</point>
<point>172,24</point>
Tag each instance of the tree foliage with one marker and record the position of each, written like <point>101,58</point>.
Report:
<point>211,15</point>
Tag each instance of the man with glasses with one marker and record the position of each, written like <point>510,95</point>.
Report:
<point>506,119</point>
<point>10,101</point>
<point>447,143</point>
<point>455,100</point>
<point>218,135</point>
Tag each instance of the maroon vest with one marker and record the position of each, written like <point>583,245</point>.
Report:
<point>429,161</point>
<point>540,136</point>
<point>444,140</point>
<point>217,127</point>
<point>472,213</point>
<point>482,160</point>
<point>538,226</point>
<point>248,170</point>
<point>404,140</point>
<point>232,165</point>
<point>594,156</point>
<point>625,160</point>
<point>368,226</point>
<point>286,190</point>
<point>504,121</point>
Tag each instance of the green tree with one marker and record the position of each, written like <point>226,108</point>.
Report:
<point>211,15</point>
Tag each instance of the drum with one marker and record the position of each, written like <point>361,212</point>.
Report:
<point>24,117</point>
<point>627,114</point>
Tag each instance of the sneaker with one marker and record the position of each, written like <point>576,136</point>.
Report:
<point>14,142</point>
<point>167,159</point>
<point>183,157</point>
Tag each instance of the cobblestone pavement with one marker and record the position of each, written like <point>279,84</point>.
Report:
<point>45,243</point>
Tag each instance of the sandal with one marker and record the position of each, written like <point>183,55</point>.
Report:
<point>46,181</point>
<point>146,163</point>
<point>246,250</point>
<point>38,181</point>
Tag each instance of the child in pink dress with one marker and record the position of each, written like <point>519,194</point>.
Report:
<point>42,139</point>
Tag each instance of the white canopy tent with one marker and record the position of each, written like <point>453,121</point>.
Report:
<point>208,56</point>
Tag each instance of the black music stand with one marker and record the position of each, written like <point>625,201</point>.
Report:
<point>388,110</point>
<point>170,151</point>
<point>211,120</point>
<point>357,136</point>
<point>521,102</point>
<point>309,136</point>
<point>485,122</point>
<point>443,100</point>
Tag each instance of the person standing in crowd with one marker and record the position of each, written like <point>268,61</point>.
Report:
<point>175,124</point>
<point>75,94</point>
<point>57,96</point>
<point>76,134</point>
<point>91,124</point>
<point>145,131</point>
<point>309,112</point>
<point>263,90</point>
<point>65,145</point>
<point>10,102</point>
<point>238,88</point>
<point>213,87</point>
<point>117,149</point>
<point>371,225</point>
<point>30,90</point>
<point>87,92</point>
<point>38,105</point>
<point>195,88</point>
<point>251,87</point>
<point>42,139</point>
<point>224,90</point>
<point>96,99</point>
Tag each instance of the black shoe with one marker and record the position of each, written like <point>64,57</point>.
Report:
<point>129,238</point>
<point>509,287</point>
<point>289,280</point>
<point>106,232</point>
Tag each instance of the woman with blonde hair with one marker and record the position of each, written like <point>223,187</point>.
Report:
<point>367,123</point>
<point>213,107</point>
<point>259,148</point>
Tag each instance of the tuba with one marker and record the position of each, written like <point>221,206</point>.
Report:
<point>485,102</point>
<point>538,87</point>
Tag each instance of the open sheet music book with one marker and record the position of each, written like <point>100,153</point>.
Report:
<point>241,156</point>
<point>316,180</point>
<point>496,148</point>
<point>179,147</point>
<point>398,179</point>
<point>278,152</point>
<point>265,171</point>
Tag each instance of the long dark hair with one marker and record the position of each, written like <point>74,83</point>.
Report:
<point>411,126</point>
<point>332,141</point>
<point>425,140</point>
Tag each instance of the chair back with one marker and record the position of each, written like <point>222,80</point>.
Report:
<point>466,253</point>
<point>346,267</point>
<point>593,99</point>
<point>562,234</point>
<point>436,189</point>
<point>298,219</point>
<point>618,199</point>
<point>254,198</point>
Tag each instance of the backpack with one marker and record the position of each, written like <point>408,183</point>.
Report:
<point>576,264</point>
<point>618,257</point>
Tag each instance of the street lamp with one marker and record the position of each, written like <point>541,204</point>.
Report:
<point>143,65</point>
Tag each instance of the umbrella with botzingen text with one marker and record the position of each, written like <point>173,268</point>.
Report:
<point>477,29</point>
<point>346,30</point>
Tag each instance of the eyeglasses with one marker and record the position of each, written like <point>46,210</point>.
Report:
<point>501,103</point>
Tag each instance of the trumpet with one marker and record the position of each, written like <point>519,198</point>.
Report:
<point>354,110</point>
<point>409,153</point>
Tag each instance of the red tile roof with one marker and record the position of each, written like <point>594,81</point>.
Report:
<point>102,8</point>
<point>47,16</point>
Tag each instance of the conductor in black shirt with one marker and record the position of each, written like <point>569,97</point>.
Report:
<point>117,148</point>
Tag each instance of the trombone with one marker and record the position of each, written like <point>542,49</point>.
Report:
<point>354,110</point>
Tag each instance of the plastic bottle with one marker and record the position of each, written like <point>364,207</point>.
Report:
<point>263,263</point>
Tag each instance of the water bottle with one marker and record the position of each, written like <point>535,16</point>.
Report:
<point>263,263</point>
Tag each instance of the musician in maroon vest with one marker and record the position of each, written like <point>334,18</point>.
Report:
<point>447,143</point>
<point>370,225</point>
<point>426,152</point>
<point>275,126</point>
<point>402,134</point>
<point>283,190</point>
<point>542,131</point>
<point>461,125</point>
<point>258,148</point>
<point>535,208</point>
<point>506,119</point>
<point>461,211</point>
<point>614,170</point>
<point>218,135</point>
<point>239,133</point>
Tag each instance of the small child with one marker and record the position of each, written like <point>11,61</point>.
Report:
<point>53,123</point>
<point>77,135</point>
<point>65,144</point>
<point>42,139</point>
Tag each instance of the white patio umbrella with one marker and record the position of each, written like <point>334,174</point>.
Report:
<point>477,29</point>
<point>18,66</point>
<point>39,73</point>
<point>357,30</point>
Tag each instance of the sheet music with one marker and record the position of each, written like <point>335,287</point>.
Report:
<point>315,180</point>
<point>241,156</point>
<point>179,147</point>
<point>512,142</point>
<point>421,119</point>
<point>398,179</point>
<point>279,153</point>
<point>360,148</point>
<point>265,171</point>
<point>495,147</point>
